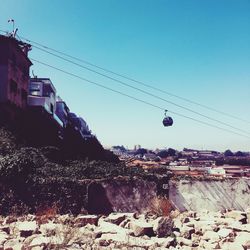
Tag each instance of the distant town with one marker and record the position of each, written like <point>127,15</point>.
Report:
<point>189,162</point>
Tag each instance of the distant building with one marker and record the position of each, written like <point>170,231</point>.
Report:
<point>236,171</point>
<point>207,154</point>
<point>178,168</point>
<point>173,163</point>
<point>42,93</point>
<point>151,157</point>
<point>217,171</point>
<point>197,162</point>
<point>14,71</point>
<point>183,161</point>
<point>189,152</point>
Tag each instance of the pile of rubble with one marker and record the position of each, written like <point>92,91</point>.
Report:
<point>213,230</point>
<point>189,230</point>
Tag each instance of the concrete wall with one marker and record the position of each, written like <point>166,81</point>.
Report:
<point>212,195</point>
<point>137,195</point>
<point>130,196</point>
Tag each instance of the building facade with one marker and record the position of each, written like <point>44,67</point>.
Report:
<point>14,71</point>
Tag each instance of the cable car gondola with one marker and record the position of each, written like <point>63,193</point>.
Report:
<point>167,121</point>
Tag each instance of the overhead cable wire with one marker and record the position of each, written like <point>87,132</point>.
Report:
<point>128,85</point>
<point>134,80</point>
<point>137,99</point>
<point>139,82</point>
<point>142,91</point>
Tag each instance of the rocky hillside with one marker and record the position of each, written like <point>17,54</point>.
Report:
<point>31,178</point>
<point>189,231</point>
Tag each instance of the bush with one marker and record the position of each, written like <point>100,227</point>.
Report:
<point>7,142</point>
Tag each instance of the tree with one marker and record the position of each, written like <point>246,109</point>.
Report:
<point>239,154</point>
<point>171,152</point>
<point>141,151</point>
<point>121,148</point>
<point>163,153</point>
<point>228,153</point>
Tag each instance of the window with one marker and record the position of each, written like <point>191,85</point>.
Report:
<point>47,90</point>
<point>35,89</point>
<point>59,107</point>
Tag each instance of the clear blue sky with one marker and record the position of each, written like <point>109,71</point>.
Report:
<point>196,49</point>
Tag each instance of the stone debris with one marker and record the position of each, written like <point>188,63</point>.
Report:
<point>83,220</point>
<point>118,218</point>
<point>162,226</point>
<point>13,244</point>
<point>5,229</point>
<point>39,241</point>
<point>140,228</point>
<point>3,239</point>
<point>27,228</point>
<point>49,229</point>
<point>248,215</point>
<point>224,232</point>
<point>237,216</point>
<point>211,236</point>
<point>189,231</point>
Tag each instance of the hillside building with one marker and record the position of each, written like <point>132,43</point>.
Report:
<point>14,71</point>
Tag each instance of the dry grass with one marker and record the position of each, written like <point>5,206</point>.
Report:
<point>161,206</point>
<point>44,214</point>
